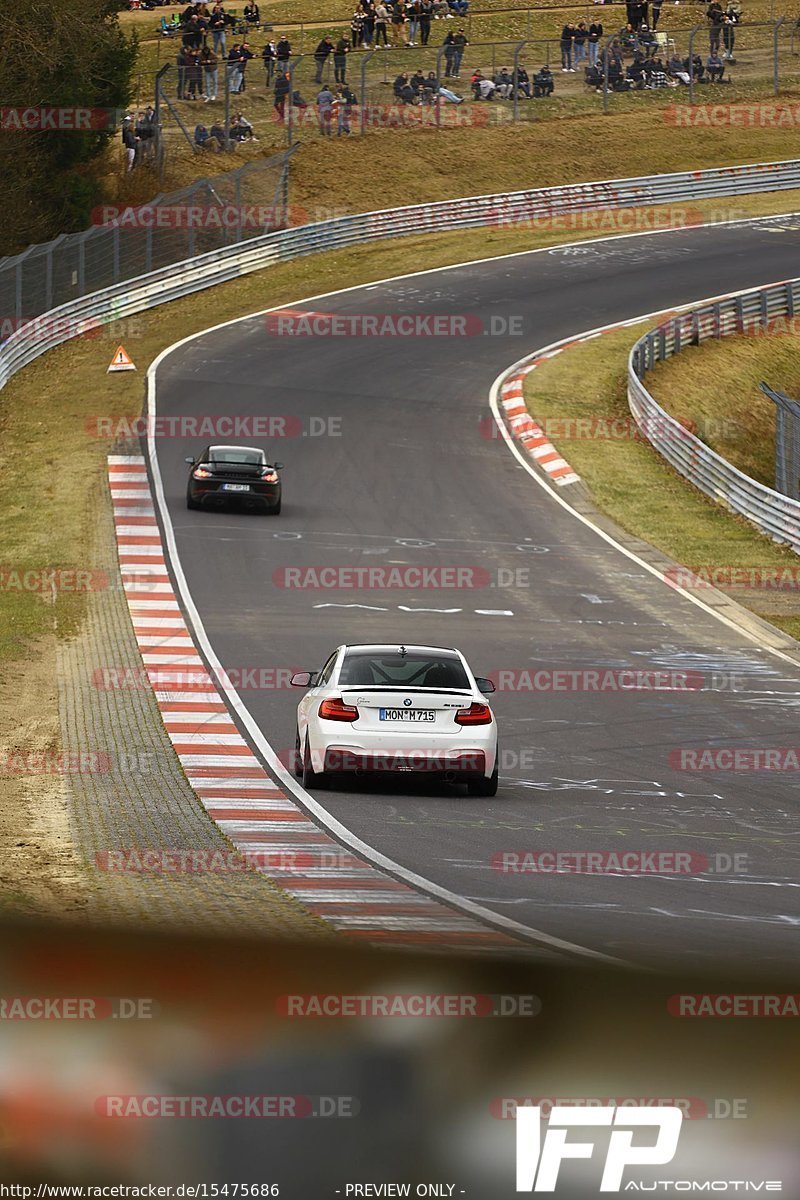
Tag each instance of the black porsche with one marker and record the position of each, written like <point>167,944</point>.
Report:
<point>238,475</point>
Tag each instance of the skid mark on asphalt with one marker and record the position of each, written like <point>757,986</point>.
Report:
<point>266,826</point>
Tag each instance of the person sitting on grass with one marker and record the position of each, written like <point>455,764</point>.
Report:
<point>241,129</point>
<point>504,84</point>
<point>715,67</point>
<point>675,68</point>
<point>636,71</point>
<point>695,67</point>
<point>203,138</point>
<point>543,83</point>
<point>523,82</point>
<point>658,75</point>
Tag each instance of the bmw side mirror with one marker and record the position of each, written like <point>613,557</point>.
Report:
<point>190,461</point>
<point>484,685</point>
<point>278,466</point>
<point>303,679</point>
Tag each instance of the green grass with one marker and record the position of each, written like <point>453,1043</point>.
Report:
<point>630,481</point>
<point>715,385</point>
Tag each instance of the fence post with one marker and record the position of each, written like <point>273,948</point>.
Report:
<point>515,77</point>
<point>157,107</point>
<point>692,32</point>
<point>227,121</point>
<point>775,36</point>
<point>439,54</point>
<point>48,273</point>
<point>363,115</point>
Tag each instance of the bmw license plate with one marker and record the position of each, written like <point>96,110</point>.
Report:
<point>236,487</point>
<point>407,714</point>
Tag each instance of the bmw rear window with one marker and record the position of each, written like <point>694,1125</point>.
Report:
<point>363,669</point>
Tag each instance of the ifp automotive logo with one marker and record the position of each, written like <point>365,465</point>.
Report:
<point>539,1159</point>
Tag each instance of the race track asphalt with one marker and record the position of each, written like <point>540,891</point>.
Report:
<point>406,457</point>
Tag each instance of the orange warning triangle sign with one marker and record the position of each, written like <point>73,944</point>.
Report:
<point>121,361</point>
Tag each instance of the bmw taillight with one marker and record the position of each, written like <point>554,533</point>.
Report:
<point>269,476</point>
<point>337,710</point>
<point>201,473</point>
<point>476,714</point>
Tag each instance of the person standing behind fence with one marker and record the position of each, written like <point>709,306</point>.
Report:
<point>368,27</point>
<point>413,13</point>
<point>325,102</point>
<point>381,19</point>
<point>733,16</point>
<point>217,25</point>
<point>581,38</point>
<point>209,63</point>
<point>233,68</point>
<point>182,63</point>
<point>283,86</point>
<point>449,53</point>
<point>129,142</point>
<point>357,28</point>
<point>398,23</point>
<point>283,53</point>
<point>245,54</point>
<point>269,55</point>
<point>715,20</point>
<point>425,17</point>
<point>194,78</point>
<point>347,101</point>
<point>323,50</point>
<point>593,41</point>
<point>656,13</point>
<point>567,34</point>
<point>340,53</point>
<point>460,43</point>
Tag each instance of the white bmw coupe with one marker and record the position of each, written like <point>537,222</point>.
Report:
<point>392,709</point>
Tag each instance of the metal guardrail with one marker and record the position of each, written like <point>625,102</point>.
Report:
<point>774,514</point>
<point>532,208</point>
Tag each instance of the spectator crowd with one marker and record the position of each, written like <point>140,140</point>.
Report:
<point>215,57</point>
